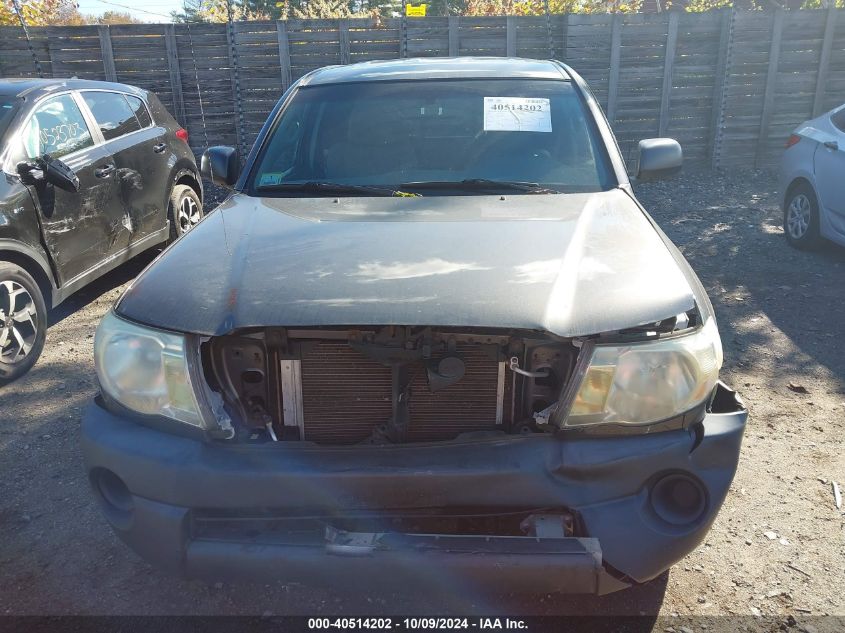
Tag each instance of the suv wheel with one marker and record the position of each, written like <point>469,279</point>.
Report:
<point>801,218</point>
<point>23,322</point>
<point>185,210</point>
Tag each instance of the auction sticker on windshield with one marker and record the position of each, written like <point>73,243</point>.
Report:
<point>517,114</point>
<point>270,178</point>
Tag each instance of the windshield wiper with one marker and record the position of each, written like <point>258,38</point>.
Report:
<point>330,188</point>
<point>480,184</point>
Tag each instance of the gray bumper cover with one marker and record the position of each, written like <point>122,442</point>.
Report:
<point>604,480</point>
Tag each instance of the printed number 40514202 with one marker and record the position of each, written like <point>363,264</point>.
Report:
<point>517,114</point>
<point>521,107</point>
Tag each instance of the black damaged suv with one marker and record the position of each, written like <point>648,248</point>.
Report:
<point>436,340</point>
<point>93,174</point>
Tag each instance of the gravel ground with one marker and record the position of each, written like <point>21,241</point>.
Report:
<point>777,547</point>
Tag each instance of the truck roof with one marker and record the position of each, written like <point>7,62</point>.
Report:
<point>438,68</point>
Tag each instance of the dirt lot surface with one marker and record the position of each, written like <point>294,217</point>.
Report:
<point>777,548</point>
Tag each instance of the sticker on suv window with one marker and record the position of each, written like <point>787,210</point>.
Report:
<point>270,179</point>
<point>517,114</point>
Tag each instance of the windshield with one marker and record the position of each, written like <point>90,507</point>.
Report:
<point>433,137</point>
<point>8,107</point>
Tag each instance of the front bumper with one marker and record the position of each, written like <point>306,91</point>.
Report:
<point>174,488</point>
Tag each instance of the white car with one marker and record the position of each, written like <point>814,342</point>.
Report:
<point>812,182</point>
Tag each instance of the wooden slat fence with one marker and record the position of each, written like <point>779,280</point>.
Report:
<point>729,85</point>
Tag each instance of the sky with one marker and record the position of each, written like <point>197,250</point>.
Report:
<point>146,10</point>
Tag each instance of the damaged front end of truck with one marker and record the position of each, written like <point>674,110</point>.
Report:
<point>429,345</point>
<point>388,450</point>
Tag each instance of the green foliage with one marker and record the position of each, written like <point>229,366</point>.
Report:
<point>41,13</point>
<point>215,10</point>
<point>262,7</point>
<point>116,17</point>
<point>817,4</point>
<point>444,7</point>
<point>538,7</point>
<point>219,11</point>
<point>321,9</point>
<point>190,12</point>
<point>699,6</point>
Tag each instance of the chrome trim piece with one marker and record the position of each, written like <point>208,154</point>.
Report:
<point>500,393</point>
<point>291,378</point>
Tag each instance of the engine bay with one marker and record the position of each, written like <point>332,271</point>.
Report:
<point>386,385</point>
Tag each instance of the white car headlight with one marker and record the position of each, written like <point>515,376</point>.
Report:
<point>643,383</point>
<point>145,370</point>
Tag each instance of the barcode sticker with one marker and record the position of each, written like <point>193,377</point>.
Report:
<point>517,114</point>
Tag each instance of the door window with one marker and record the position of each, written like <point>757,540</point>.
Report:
<point>140,110</point>
<point>112,113</point>
<point>56,127</point>
<point>8,108</point>
<point>838,119</point>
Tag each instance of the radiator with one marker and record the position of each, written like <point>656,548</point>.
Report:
<point>345,394</point>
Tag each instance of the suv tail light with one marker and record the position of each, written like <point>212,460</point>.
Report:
<point>182,134</point>
<point>792,140</point>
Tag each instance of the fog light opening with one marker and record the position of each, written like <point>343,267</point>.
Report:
<point>678,499</point>
<point>114,497</point>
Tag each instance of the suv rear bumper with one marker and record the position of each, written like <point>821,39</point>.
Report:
<point>158,490</point>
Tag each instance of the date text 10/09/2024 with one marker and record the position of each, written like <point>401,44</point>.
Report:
<point>418,623</point>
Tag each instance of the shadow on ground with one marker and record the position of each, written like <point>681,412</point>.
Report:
<point>734,241</point>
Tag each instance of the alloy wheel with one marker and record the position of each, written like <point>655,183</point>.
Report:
<point>798,216</point>
<point>18,322</point>
<point>189,214</point>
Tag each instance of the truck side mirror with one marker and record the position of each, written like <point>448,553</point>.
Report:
<point>659,158</point>
<point>220,165</point>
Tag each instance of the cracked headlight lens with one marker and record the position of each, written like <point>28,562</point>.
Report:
<point>643,383</point>
<point>145,370</point>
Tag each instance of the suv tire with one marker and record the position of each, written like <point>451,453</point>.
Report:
<point>23,322</point>
<point>184,210</point>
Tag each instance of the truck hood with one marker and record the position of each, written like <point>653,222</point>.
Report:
<point>569,264</point>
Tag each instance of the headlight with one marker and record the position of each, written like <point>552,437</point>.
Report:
<point>643,383</point>
<point>145,370</point>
